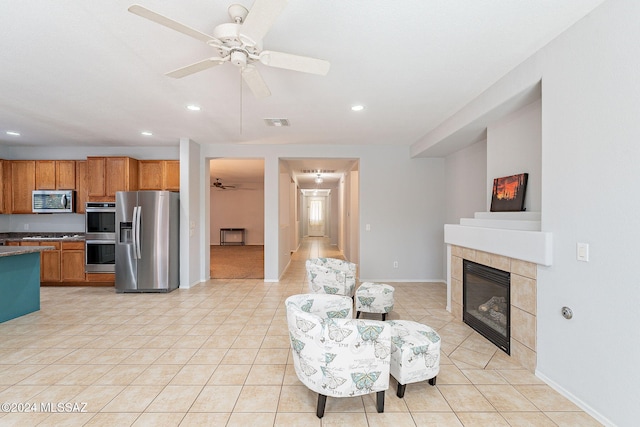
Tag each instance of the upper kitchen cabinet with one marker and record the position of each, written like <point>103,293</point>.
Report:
<point>106,175</point>
<point>159,175</point>
<point>55,174</point>
<point>81,186</point>
<point>23,182</point>
<point>172,175</point>
<point>65,175</point>
<point>3,191</point>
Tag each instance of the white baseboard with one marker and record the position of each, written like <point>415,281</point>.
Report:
<point>582,405</point>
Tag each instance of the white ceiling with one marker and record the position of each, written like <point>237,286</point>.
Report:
<point>88,72</point>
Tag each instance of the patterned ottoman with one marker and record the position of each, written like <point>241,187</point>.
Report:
<point>374,298</point>
<point>415,353</point>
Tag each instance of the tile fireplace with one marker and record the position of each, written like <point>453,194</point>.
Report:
<point>522,298</point>
<point>486,302</point>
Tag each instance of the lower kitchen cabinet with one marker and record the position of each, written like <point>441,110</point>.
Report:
<point>50,263</point>
<point>64,265</point>
<point>101,279</point>
<point>72,262</point>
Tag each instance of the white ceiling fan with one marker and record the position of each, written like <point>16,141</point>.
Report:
<point>240,42</point>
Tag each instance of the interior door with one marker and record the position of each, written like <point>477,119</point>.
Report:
<point>316,216</point>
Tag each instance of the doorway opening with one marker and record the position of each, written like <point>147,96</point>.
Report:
<point>236,218</point>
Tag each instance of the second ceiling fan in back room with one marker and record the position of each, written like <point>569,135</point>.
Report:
<point>220,185</point>
<point>240,43</point>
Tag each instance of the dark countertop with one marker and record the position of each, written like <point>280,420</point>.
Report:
<point>21,250</point>
<point>33,236</point>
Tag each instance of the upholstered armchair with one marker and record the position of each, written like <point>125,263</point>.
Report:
<point>335,355</point>
<point>331,276</point>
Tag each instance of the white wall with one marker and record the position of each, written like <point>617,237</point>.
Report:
<point>193,267</point>
<point>389,181</point>
<point>513,147</point>
<point>589,193</point>
<point>44,223</point>
<point>403,201</point>
<point>465,182</point>
<point>240,208</point>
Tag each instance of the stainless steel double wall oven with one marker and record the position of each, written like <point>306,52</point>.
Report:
<point>100,237</point>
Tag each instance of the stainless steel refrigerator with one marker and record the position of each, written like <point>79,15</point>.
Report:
<point>147,241</point>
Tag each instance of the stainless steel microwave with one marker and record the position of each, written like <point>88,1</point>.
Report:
<point>52,201</point>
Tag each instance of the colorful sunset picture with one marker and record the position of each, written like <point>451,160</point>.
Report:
<point>508,193</point>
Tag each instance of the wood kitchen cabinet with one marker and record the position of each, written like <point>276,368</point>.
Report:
<point>45,177</point>
<point>49,260</point>
<point>55,174</point>
<point>2,187</point>
<point>81,186</point>
<point>172,175</point>
<point>23,182</point>
<point>66,175</point>
<point>106,175</point>
<point>72,262</point>
<point>159,175</point>
<point>62,265</point>
<point>49,263</point>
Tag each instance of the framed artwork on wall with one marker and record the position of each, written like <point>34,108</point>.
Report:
<point>508,193</point>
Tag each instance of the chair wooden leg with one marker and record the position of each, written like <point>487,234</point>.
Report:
<point>322,401</point>
<point>357,314</point>
<point>432,381</point>
<point>400,392</point>
<point>380,401</point>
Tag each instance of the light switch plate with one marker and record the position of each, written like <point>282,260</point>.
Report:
<point>582,252</point>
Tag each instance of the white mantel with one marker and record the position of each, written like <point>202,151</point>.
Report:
<point>512,234</point>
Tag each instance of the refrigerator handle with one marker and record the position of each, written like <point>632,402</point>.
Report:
<point>138,224</point>
<point>134,231</point>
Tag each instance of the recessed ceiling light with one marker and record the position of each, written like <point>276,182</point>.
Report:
<point>146,133</point>
<point>193,107</point>
<point>357,107</point>
<point>13,133</point>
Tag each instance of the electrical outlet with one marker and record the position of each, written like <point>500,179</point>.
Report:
<point>395,264</point>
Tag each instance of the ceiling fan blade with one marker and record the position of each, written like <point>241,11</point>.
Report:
<point>170,23</point>
<point>253,79</point>
<point>261,17</point>
<point>194,68</point>
<point>295,62</point>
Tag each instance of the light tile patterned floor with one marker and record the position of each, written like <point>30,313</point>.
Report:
<point>218,354</point>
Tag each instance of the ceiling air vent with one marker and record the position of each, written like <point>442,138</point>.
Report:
<point>277,122</point>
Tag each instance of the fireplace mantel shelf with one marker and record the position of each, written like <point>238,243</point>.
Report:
<point>527,245</point>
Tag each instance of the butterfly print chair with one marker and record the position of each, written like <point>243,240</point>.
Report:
<point>331,276</point>
<point>335,355</point>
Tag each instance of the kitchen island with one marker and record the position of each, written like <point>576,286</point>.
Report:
<point>19,280</point>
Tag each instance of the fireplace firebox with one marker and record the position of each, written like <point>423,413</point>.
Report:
<point>486,304</point>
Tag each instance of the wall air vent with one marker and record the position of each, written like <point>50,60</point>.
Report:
<point>277,122</point>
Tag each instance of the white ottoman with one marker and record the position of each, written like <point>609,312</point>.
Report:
<point>415,353</point>
<point>374,298</point>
